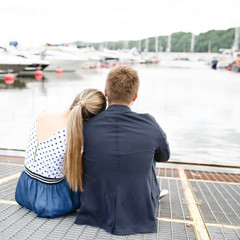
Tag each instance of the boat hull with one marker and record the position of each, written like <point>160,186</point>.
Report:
<point>65,65</point>
<point>13,68</point>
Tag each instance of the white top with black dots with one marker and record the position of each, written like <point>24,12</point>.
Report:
<point>46,158</point>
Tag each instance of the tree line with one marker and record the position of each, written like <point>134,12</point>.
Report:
<point>211,41</point>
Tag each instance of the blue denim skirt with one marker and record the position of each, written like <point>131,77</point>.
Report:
<point>46,200</point>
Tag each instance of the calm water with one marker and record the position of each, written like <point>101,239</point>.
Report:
<point>197,107</point>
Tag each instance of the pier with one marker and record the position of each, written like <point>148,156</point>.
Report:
<point>203,203</point>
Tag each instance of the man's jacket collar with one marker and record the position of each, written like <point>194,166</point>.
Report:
<point>120,108</point>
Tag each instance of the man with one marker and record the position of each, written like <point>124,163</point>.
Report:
<point>120,186</point>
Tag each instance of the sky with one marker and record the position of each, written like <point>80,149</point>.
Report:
<point>56,21</point>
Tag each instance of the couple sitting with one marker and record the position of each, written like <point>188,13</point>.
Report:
<point>101,162</point>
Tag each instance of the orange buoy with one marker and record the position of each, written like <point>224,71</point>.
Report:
<point>103,65</point>
<point>38,75</point>
<point>59,70</point>
<point>9,78</point>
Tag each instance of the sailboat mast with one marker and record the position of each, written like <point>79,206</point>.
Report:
<point>169,44</point>
<point>156,44</point>
<point>146,44</point>
<point>192,42</point>
<point>236,39</point>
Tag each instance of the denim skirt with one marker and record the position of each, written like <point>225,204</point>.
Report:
<point>46,200</point>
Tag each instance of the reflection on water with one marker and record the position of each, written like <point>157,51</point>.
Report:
<point>196,106</point>
<point>18,83</point>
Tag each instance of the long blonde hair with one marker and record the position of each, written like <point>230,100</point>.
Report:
<point>86,105</point>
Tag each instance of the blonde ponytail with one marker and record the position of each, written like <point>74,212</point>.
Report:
<point>87,104</point>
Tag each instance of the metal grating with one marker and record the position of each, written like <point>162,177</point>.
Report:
<point>219,202</point>
<point>167,172</point>
<point>213,176</point>
<point>172,205</point>
<point>7,170</point>
<point>17,222</point>
<point>7,190</point>
<point>20,223</point>
<point>172,230</point>
<point>223,233</point>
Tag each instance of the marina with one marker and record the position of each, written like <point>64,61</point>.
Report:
<point>187,57</point>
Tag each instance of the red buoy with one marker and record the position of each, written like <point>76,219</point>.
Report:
<point>103,65</point>
<point>110,65</point>
<point>95,66</point>
<point>59,70</point>
<point>86,67</point>
<point>9,78</point>
<point>229,68</point>
<point>124,63</point>
<point>114,64</point>
<point>38,75</point>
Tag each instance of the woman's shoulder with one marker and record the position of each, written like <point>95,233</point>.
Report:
<point>47,115</point>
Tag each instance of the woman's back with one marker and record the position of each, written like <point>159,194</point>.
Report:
<point>46,146</point>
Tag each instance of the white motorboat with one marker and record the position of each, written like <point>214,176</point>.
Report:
<point>108,56</point>
<point>62,57</point>
<point>225,59</point>
<point>12,64</point>
<point>131,56</point>
<point>29,63</point>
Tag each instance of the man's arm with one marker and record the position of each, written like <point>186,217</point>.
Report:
<point>162,153</point>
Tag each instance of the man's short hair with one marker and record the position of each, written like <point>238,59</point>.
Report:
<point>122,84</point>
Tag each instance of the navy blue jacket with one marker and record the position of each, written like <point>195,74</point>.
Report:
<point>120,186</point>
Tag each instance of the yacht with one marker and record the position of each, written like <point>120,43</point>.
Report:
<point>26,64</point>
<point>11,63</point>
<point>65,58</point>
<point>225,59</point>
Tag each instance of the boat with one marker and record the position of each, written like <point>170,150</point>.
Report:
<point>236,65</point>
<point>108,56</point>
<point>90,53</point>
<point>62,57</point>
<point>129,56</point>
<point>28,62</point>
<point>11,63</point>
<point>225,59</point>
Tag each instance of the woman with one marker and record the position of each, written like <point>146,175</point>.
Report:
<point>52,180</point>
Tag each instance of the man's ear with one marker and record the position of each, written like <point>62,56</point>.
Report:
<point>135,97</point>
<point>105,91</point>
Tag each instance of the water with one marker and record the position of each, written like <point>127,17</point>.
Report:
<point>197,107</point>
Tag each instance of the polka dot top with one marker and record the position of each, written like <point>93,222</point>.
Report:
<point>46,158</point>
